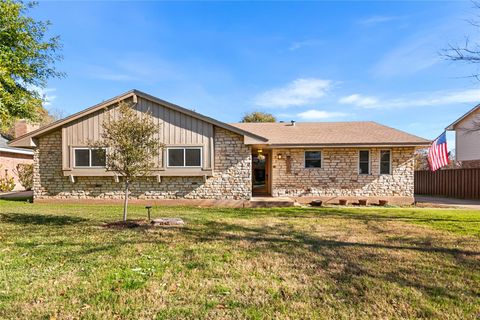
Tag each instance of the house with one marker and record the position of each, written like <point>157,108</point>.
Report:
<point>207,159</point>
<point>467,141</point>
<point>10,157</point>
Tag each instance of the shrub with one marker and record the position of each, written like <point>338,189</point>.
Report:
<point>6,183</point>
<point>25,175</point>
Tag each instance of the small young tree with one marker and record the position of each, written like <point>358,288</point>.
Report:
<point>258,116</point>
<point>131,145</point>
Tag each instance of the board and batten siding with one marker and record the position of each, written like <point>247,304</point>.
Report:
<point>176,129</point>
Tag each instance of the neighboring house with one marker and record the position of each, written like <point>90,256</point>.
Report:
<point>208,159</point>
<point>467,141</point>
<point>10,157</point>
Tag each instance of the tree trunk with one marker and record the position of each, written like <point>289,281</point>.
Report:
<point>125,203</point>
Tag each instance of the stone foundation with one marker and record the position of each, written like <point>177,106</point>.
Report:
<point>231,178</point>
<point>339,175</point>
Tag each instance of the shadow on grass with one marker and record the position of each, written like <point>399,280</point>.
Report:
<point>276,235</point>
<point>39,219</point>
<point>358,260</point>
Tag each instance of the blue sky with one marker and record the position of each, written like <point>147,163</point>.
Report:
<point>308,61</point>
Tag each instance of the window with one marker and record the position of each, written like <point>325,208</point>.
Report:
<point>184,157</point>
<point>85,157</point>
<point>313,159</point>
<point>385,162</point>
<point>364,162</point>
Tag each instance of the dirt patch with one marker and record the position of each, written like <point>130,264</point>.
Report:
<point>129,224</point>
<point>156,223</point>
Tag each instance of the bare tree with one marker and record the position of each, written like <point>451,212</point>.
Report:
<point>130,144</point>
<point>468,53</point>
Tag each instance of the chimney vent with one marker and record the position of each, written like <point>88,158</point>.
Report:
<point>292,122</point>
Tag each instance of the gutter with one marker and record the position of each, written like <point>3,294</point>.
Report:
<point>18,151</point>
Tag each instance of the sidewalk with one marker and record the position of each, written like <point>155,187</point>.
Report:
<point>449,202</point>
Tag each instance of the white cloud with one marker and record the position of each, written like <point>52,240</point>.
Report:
<point>423,99</point>
<point>358,100</point>
<point>374,20</point>
<point>46,94</point>
<point>297,93</point>
<point>305,43</point>
<point>142,68</point>
<point>418,52</point>
<point>320,115</point>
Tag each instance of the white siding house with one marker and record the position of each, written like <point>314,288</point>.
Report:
<point>467,140</point>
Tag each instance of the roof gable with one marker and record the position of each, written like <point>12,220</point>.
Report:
<point>27,139</point>
<point>456,122</point>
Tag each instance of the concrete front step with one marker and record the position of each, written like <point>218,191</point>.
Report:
<point>269,202</point>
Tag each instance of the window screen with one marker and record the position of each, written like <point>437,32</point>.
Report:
<point>193,157</point>
<point>364,162</point>
<point>176,157</point>
<point>98,157</point>
<point>385,158</point>
<point>82,158</point>
<point>313,159</point>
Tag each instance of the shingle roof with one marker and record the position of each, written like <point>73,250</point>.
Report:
<point>331,133</point>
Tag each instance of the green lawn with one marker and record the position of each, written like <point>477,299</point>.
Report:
<point>58,262</point>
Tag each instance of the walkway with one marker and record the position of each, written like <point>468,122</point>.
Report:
<point>449,202</point>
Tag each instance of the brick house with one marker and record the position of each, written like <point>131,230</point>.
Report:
<point>204,158</point>
<point>10,157</point>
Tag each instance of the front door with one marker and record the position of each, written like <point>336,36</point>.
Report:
<point>260,174</point>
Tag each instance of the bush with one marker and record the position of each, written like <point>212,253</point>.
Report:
<point>25,175</point>
<point>6,183</point>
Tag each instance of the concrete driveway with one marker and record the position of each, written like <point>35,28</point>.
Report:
<point>449,202</point>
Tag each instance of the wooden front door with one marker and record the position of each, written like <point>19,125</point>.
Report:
<point>260,173</point>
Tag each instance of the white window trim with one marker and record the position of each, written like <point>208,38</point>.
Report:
<point>184,157</point>
<point>89,158</point>
<point>305,159</point>
<point>380,162</point>
<point>369,162</point>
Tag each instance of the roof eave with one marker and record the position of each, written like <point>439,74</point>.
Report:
<point>349,145</point>
<point>451,127</point>
<point>26,140</point>
<point>16,151</point>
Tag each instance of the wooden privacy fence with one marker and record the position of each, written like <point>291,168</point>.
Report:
<point>455,183</point>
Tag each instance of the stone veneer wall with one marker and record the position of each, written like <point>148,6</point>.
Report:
<point>231,178</point>
<point>339,174</point>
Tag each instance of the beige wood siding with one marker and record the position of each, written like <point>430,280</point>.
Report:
<point>176,129</point>
<point>467,143</point>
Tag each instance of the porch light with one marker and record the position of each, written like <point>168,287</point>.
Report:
<point>259,150</point>
<point>279,156</point>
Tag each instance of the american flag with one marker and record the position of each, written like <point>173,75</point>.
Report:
<point>438,153</point>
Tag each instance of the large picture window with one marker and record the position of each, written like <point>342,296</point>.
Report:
<point>364,162</point>
<point>313,159</point>
<point>184,157</point>
<point>385,162</point>
<point>89,157</point>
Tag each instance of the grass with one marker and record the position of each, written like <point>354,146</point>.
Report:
<point>57,262</point>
